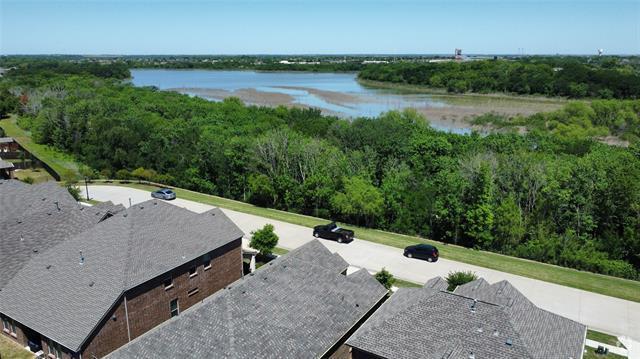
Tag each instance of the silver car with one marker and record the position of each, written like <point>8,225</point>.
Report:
<point>164,193</point>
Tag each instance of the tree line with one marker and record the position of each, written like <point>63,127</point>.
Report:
<point>545,196</point>
<point>549,77</point>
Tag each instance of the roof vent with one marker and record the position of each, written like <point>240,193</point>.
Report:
<point>35,250</point>
<point>472,356</point>
<point>21,238</point>
<point>155,203</point>
<point>509,342</point>
<point>81,258</point>
<point>57,205</point>
<point>48,266</point>
<point>496,333</point>
<point>92,283</point>
<point>473,305</point>
<point>141,207</point>
<point>357,305</point>
<point>479,330</point>
<point>124,215</point>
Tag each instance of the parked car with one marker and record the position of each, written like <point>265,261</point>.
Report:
<point>164,193</point>
<point>422,251</point>
<point>334,232</point>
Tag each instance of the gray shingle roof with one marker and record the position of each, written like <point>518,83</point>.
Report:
<point>431,323</point>
<point>6,140</point>
<point>33,233</point>
<point>128,249</point>
<point>297,306</point>
<point>17,198</point>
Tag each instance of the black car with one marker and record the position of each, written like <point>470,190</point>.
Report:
<point>422,251</point>
<point>332,231</point>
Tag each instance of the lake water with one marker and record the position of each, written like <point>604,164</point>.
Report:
<point>334,93</point>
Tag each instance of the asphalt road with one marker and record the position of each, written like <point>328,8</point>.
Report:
<point>600,312</point>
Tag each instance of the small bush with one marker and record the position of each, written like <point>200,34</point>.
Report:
<point>264,240</point>
<point>28,180</point>
<point>385,278</point>
<point>455,279</point>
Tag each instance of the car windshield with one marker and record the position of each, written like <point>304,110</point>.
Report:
<point>167,191</point>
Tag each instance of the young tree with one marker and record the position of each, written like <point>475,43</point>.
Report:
<point>455,279</point>
<point>264,240</point>
<point>385,278</point>
<point>360,199</point>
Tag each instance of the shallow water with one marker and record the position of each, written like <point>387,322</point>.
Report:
<point>334,93</point>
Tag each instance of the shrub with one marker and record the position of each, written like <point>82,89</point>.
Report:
<point>385,278</point>
<point>28,180</point>
<point>455,279</point>
<point>123,174</point>
<point>264,240</point>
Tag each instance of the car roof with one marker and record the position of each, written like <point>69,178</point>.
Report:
<point>425,246</point>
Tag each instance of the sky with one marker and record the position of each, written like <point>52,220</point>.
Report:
<point>138,27</point>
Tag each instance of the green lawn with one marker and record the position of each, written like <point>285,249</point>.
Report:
<point>11,350</point>
<point>604,338</point>
<point>58,160</point>
<point>590,353</point>
<point>400,283</point>
<point>39,175</point>
<point>611,286</point>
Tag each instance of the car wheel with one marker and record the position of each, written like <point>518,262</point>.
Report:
<point>409,255</point>
<point>339,240</point>
<point>315,234</point>
<point>429,259</point>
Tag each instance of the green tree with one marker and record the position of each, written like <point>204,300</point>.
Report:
<point>360,200</point>
<point>264,240</point>
<point>385,278</point>
<point>509,227</point>
<point>455,279</point>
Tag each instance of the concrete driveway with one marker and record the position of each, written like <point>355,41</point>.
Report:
<point>600,312</point>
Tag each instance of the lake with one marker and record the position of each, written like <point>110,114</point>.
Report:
<point>337,94</point>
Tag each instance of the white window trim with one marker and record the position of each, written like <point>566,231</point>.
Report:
<point>208,266</point>
<point>193,292</point>
<point>194,273</point>
<point>167,287</point>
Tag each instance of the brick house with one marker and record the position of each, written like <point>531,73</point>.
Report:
<point>8,145</point>
<point>301,305</point>
<point>106,286</point>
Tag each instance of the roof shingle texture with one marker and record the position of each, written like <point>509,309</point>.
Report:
<point>297,306</point>
<point>18,198</point>
<point>490,321</point>
<point>63,297</point>
<point>33,233</point>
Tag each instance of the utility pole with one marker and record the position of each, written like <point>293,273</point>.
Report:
<point>86,186</point>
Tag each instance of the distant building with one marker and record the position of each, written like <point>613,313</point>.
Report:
<point>301,305</point>
<point>477,320</point>
<point>105,286</point>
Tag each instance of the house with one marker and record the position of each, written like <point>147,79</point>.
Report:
<point>107,285</point>
<point>8,145</point>
<point>300,305</point>
<point>41,224</point>
<point>18,198</point>
<point>6,169</point>
<point>477,320</point>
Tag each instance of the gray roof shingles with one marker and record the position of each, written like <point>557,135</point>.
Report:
<point>297,306</point>
<point>119,253</point>
<point>433,323</point>
<point>17,198</point>
<point>33,233</point>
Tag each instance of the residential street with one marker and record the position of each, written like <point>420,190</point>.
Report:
<point>597,311</point>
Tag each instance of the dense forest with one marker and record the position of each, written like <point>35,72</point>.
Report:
<point>567,77</point>
<point>548,196</point>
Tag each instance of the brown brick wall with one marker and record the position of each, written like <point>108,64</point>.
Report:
<point>19,337</point>
<point>149,304</point>
<point>111,335</point>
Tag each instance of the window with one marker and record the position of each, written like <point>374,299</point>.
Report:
<point>206,261</point>
<point>175,310</point>
<point>54,349</point>
<point>193,291</point>
<point>168,283</point>
<point>9,326</point>
<point>193,271</point>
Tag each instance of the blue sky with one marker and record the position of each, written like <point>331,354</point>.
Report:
<point>319,27</point>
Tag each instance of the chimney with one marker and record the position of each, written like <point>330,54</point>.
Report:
<point>81,258</point>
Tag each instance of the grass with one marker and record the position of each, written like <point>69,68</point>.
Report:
<point>39,175</point>
<point>590,353</point>
<point>59,161</point>
<point>597,283</point>
<point>280,251</point>
<point>604,338</point>
<point>400,283</point>
<point>11,349</point>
